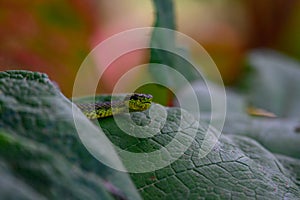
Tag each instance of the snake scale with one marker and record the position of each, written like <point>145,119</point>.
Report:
<point>133,102</point>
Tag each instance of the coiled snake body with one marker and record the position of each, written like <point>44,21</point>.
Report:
<point>133,102</point>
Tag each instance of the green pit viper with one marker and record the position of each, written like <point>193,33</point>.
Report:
<point>133,102</point>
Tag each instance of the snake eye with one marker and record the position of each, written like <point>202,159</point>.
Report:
<point>134,97</point>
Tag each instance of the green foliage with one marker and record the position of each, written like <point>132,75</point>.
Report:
<point>238,167</point>
<point>272,86</point>
<point>41,155</point>
<point>40,148</point>
<point>275,84</point>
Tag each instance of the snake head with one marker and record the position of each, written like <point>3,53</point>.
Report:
<point>140,102</point>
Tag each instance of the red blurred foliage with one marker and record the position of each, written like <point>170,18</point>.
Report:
<point>49,36</point>
<point>55,36</point>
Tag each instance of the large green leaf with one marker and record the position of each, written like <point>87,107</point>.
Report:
<point>237,167</point>
<point>40,148</point>
<point>41,152</point>
<point>42,173</point>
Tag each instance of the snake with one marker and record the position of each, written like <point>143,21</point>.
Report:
<point>133,103</point>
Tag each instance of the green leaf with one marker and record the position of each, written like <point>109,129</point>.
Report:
<point>292,167</point>
<point>275,85</point>
<point>33,165</point>
<point>237,167</point>
<point>40,149</point>
<point>278,135</point>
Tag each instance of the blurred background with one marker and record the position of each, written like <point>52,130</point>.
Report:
<point>54,36</point>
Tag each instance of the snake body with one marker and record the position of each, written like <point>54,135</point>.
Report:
<point>133,102</point>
